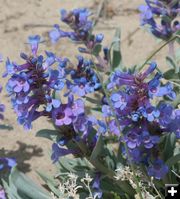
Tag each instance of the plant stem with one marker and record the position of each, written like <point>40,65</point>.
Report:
<point>156,51</point>
<point>156,190</point>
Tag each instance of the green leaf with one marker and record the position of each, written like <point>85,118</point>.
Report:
<point>119,187</point>
<point>116,51</point>
<point>98,109</point>
<point>97,49</point>
<point>11,192</point>
<point>98,148</point>
<point>173,160</point>
<point>25,186</point>
<point>171,74</point>
<point>92,100</point>
<point>47,179</point>
<point>171,62</point>
<point>54,189</point>
<point>47,133</point>
<point>67,164</point>
<point>169,145</point>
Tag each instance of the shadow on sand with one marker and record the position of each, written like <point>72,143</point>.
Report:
<point>22,154</point>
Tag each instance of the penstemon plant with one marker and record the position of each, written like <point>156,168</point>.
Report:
<point>121,125</point>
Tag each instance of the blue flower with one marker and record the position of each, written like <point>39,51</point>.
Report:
<point>77,19</point>
<point>50,60</point>
<point>7,163</point>
<point>34,42</point>
<point>57,33</point>
<point>10,68</point>
<point>149,141</point>
<point>166,12</point>
<point>150,113</point>
<point>62,115</point>
<point>52,103</point>
<point>166,90</point>
<point>99,38</point>
<point>106,110</point>
<point>102,127</point>
<point>158,169</point>
<point>58,152</point>
<point>96,186</point>
<point>119,100</point>
<point>2,193</point>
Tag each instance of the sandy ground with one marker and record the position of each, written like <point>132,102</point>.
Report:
<point>21,18</point>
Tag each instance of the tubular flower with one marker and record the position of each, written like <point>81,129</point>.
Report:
<point>167,11</point>
<point>132,97</point>
<point>31,84</point>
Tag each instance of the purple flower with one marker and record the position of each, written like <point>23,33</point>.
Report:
<point>174,124</point>
<point>57,33</point>
<point>158,169</point>
<point>140,119</point>
<point>166,111</point>
<point>50,60</point>
<point>32,85</point>
<point>148,141</point>
<point>150,113</point>
<point>52,103</point>
<point>34,42</point>
<point>7,163</point>
<point>146,14</point>
<point>84,124</point>
<point>113,127</point>
<point>135,116</point>
<point>106,110</point>
<point>166,12</point>
<point>132,140</point>
<point>62,115</point>
<point>58,152</point>
<point>2,193</point>
<point>84,78</point>
<point>166,90</point>
<point>102,127</point>
<point>19,83</point>
<point>56,79</point>
<point>2,107</point>
<point>77,19</point>
<point>10,68</point>
<point>99,38</point>
<point>96,186</point>
<point>78,107</point>
<point>119,100</point>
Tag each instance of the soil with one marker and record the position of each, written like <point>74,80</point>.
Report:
<point>18,20</point>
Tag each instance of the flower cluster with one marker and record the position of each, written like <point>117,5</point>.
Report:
<point>132,97</point>
<point>167,10</point>
<point>2,107</point>
<point>33,86</point>
<point>31,83</point>
<point>78,21</point>
<point>129,111</point>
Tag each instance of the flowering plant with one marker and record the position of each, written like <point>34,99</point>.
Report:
<point>125,145</point>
